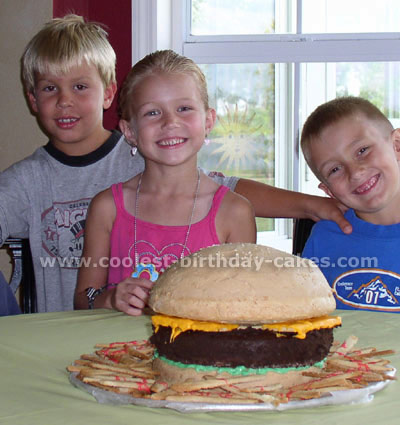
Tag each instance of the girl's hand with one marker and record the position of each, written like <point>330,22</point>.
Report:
<point>329,209</point>
<point>131,295</point>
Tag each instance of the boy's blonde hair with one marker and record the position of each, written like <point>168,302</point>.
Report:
<point>332,112</point>
<point>66,42</point>
<point>159,62</point>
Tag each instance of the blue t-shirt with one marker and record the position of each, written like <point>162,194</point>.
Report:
<point>363,268</point>
<point>8,303</point>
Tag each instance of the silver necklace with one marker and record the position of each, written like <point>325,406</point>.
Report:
<point>190,221</point>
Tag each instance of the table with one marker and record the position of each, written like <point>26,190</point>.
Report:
<point>34,387</point>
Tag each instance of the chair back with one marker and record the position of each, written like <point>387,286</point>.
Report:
<point>301,231</point>
<point>23,276</point>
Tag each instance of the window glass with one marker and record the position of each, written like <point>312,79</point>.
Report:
<point>378,82</point>
<point>242,141</point>
<point>227,17</point>
<point>355,16</point>
<point>218,17</point>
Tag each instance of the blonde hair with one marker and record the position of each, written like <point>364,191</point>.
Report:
<point>66,42</point>
<point>334,111</point>
<point>161,61</point>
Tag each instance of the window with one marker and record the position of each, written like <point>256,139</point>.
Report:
<point>269,63</point>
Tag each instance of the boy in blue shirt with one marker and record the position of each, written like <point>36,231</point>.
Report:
<point>354,151</point>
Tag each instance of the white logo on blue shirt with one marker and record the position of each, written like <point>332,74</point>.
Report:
<point>370,289</point>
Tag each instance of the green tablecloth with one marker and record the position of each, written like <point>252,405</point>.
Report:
<point>34,386</point>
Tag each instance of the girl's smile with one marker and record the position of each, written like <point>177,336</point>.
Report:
<point>171,143</point>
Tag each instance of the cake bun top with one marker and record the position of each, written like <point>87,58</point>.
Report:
<point>242,283</point>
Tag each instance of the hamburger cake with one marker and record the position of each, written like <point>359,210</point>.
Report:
<point>241,309</point>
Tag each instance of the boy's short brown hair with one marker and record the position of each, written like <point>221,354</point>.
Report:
<point>332,112</point>
<point>66,42</point>
<point>159,62</point>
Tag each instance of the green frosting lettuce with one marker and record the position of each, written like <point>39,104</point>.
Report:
<point>239,370</point>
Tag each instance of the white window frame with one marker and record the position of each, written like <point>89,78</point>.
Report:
<point>161,24</point>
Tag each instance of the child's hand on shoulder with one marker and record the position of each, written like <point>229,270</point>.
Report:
<point>329,209</point>
<point>131,295</point>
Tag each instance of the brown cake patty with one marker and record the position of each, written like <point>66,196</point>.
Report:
<point>249,347</point>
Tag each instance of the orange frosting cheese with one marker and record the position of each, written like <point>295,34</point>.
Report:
<point>300,327</point>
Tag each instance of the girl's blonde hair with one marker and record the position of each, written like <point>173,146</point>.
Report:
<point>64,43</point>
<point>161,61</point>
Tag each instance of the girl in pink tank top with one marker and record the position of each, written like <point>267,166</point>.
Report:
<point>134,230</point>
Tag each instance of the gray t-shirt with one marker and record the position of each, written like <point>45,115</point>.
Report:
<point>45,198</point>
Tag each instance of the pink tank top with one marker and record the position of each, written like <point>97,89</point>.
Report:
<point>156,244</point>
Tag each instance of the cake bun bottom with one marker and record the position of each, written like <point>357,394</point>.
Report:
<point>174,374</point>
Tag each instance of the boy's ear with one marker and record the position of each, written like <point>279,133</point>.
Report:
<point>211,117</point>
<point>109,94</point>
<point>326,189</point>
<point>396,142</point>
<point>129,134</point>
<point>32,101</point>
